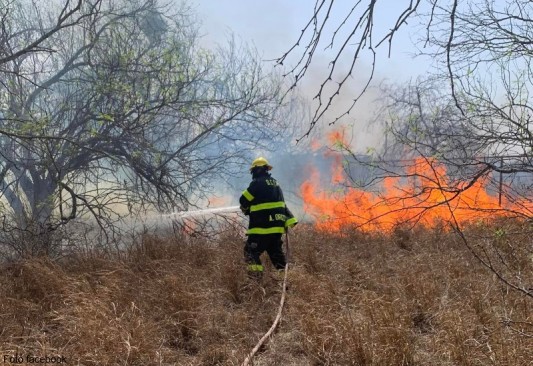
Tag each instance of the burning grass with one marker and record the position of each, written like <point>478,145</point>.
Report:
<point>409,298</point>
<point>423,194</point>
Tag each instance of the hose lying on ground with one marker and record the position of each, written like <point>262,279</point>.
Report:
<point>278,316</point>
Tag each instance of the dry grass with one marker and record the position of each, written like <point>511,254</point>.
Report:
<point>414,298</point>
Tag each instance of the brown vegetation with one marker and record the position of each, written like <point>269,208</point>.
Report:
<point>413,298</point>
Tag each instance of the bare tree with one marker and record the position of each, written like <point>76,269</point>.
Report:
<point>124,110</point>
<point>17,41</point>
<point>354,37</point>
<point>471,116</point>
<point>468,38</point>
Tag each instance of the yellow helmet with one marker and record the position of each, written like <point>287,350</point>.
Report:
<point>261,161</point>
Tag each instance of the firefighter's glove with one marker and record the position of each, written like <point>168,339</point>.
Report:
<point>291,223</point>
<point>245,210</point>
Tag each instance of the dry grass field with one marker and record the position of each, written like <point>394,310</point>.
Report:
<point>411,298</point>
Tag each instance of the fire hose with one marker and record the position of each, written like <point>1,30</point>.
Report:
<point>264,338</point>
<point>280,308</point>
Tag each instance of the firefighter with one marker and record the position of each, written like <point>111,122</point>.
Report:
<point>269,218</point>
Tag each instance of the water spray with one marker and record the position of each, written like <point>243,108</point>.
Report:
<point>183,214</point>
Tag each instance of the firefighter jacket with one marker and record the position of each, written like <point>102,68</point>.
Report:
<point>263,201</point>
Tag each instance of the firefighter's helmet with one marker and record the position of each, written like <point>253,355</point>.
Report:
<point>261,161</point>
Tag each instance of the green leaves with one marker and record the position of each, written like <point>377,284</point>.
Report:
<point>107,117</point>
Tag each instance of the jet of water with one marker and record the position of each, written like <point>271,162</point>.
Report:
<point>182,214</point>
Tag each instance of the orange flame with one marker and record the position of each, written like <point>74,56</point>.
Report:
<point>337,138</point>
<point>315,145</point>
<point>219,201</point>
<point>426,197</point>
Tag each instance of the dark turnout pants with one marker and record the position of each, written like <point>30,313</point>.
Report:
<point>257,244</point>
